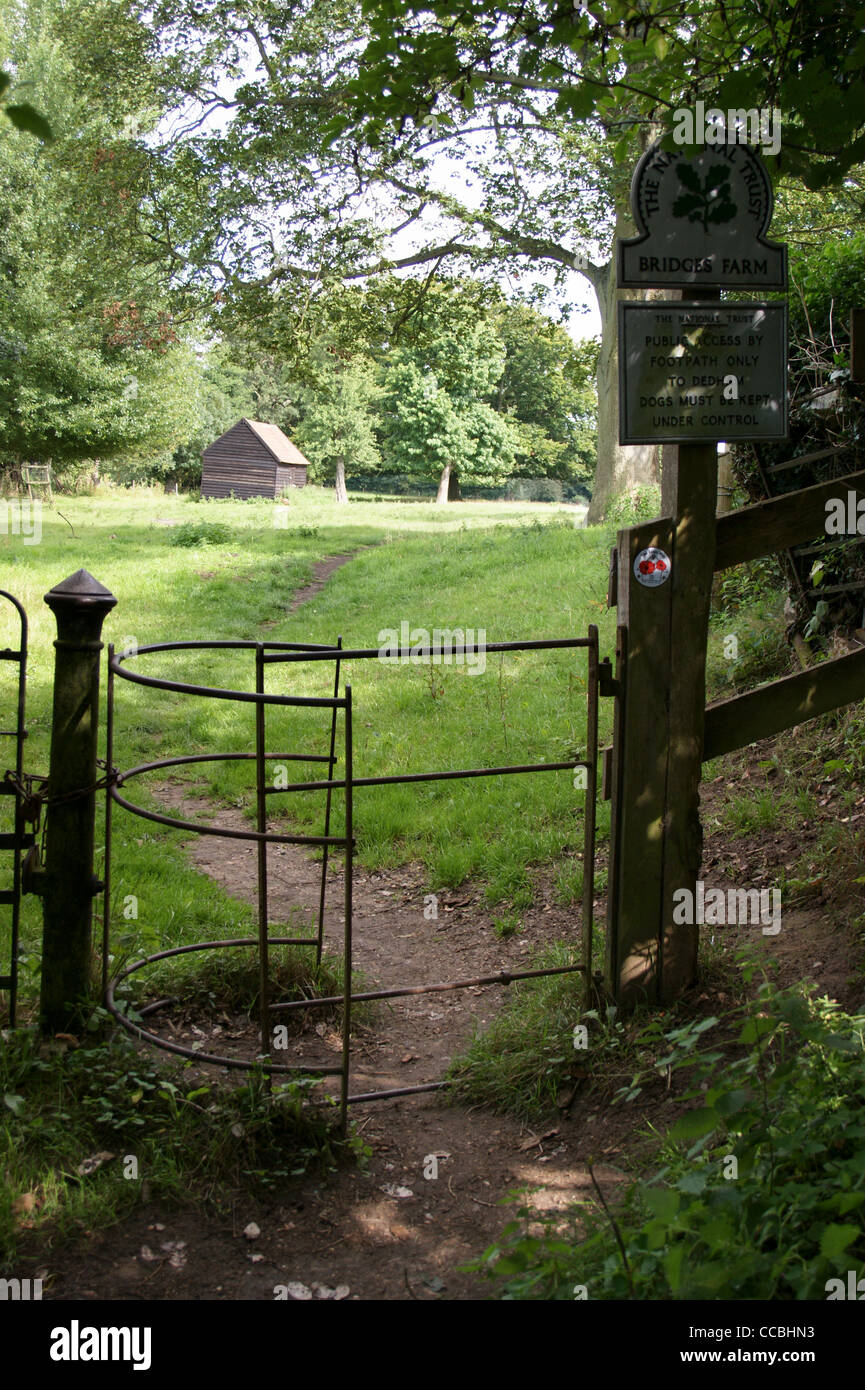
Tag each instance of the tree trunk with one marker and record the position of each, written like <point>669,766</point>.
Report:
<point>454,492</point>
<point>340,488</point>
<point>725,483</point>
<point>444,485</point>
<point>619,466</point>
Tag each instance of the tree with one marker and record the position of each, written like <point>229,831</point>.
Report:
<point>582,61</point>
<point>522,74</point>
<point>542,105</point>
<point>440,420</point>
<point>91,360</point>
<point>546,387</point>
<point>315,192</point>
<point>337,430</point>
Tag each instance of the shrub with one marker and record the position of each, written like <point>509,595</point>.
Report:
<point>640,503</point>
<point>193,533</point>
<point>762,1188</point>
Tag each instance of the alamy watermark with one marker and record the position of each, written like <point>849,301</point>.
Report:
<point>77,1343</point>
<point>736,126</point>
<point>22,518</point>
<point>735,906</point>
<point>442,647</point>
<point>845,518</point>
<point>854,1289</point>
<point>20,1290</point>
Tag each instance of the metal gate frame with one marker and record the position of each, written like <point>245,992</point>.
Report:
<point>271,653</point>
<point>18,839</point>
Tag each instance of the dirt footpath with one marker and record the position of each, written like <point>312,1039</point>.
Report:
<point>430,1199</point>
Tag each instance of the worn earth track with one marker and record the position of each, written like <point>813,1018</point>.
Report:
<point>389,1232</point>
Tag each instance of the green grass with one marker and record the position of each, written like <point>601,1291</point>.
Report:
<point>187,570</point>
<point>527,1054</point>
<point>757,810</point>
<point>499,567</point>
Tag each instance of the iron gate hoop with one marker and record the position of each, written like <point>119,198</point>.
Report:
<point>272,652</point>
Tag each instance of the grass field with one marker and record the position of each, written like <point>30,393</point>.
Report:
<point>512,570</point>
<point>183,570</point>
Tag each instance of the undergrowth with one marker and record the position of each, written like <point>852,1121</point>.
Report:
<point>759,1188</point>
<point>527,1055</point>
<point>89,1131</point>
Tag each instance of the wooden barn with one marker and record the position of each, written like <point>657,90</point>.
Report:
<point>251,460</point>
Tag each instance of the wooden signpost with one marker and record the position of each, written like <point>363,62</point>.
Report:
<point>693,372</point>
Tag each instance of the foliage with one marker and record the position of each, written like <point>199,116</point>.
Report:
<point>432,59</point>
<point>91,360</point>
<point>761,1190</point>
<point>439,416</point>
<point>22,114</point>
<point>338,418</point>
<point>547,388</point>
<point>637,504</point>
<point>193,533</point>
<point>826,409</point>
<point>62,1104</point>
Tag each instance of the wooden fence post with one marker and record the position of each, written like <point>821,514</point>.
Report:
<point>694,491</point>
<point>635,880</point>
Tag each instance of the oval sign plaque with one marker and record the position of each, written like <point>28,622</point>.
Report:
<point>702,221</point>
<point>652,567</point>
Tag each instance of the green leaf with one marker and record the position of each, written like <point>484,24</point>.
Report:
<point>835,1239</point>
<point>14,1103</point>
<point>843,1042</point>
<point>578,102</point>
<point>25,117</point>
<point>756,1028</point>
<point>693,1183</point>
<point>622,150</point>
<point>695,1123</point>
<point>673,1266</point>
<point>732,1101</point>
<point>846,1201</point>
<point>662,1201</point>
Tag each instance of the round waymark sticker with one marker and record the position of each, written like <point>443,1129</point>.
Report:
<point>652,567</point>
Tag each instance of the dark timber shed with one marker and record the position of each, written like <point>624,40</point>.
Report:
<point>251,460</point>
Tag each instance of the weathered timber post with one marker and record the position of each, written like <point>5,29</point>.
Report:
<point>67,884</point>
<point>635,880</point>
<point>695,489</point>
<point>725,481</point>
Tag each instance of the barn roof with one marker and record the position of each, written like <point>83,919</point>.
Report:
<point>270,436</point>
<point>279,444</point>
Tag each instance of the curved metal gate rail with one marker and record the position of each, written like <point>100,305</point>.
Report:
<point>271,653</point>
<point>17,839</point>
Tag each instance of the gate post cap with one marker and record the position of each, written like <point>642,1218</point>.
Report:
<point>79,591</point>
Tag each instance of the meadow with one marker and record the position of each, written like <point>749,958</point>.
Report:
<point>188,570</point>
